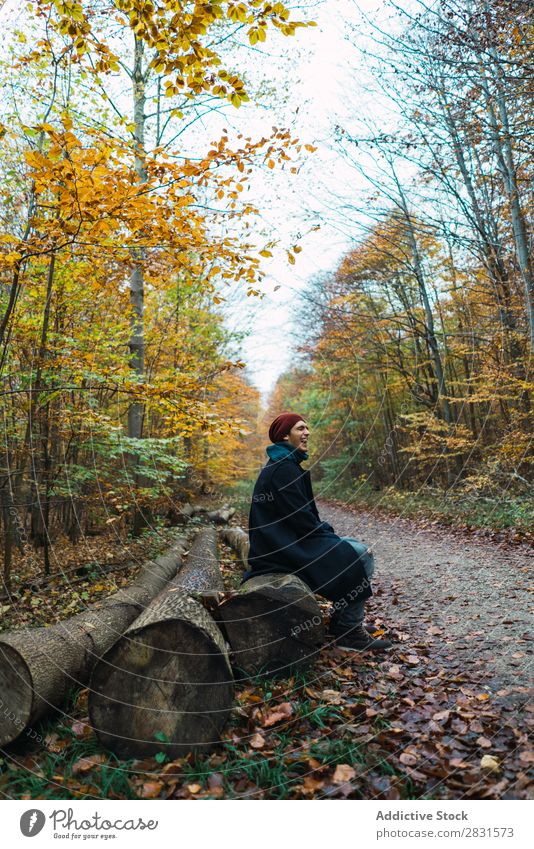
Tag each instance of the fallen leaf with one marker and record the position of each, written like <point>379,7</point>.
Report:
<point>345,671</point>
<point>312,784</point>
<point>333,697</point>
<point>484,742</point>
<point>441,716</point>
<point>344,789</point>
<point>383,787</point>
<point>313,694</point>
<point>216,784</point>
<point>490,763</point>
<point>257,741</point>
<point>85,764</point>
<point>54,744</point>
<point>343,773</point>
<point>407,759</point>
<point>280,712</point>
<point>81,728</point>
<point>394,672</point>
<point>194,788</point>
<point>151,789</point>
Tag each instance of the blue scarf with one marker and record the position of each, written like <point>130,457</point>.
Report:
<point>281,450</point>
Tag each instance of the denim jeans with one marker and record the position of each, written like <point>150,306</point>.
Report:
<point>349,614</point>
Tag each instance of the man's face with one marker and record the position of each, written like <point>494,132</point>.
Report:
<point>298,435</point>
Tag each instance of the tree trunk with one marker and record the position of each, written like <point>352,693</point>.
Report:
<point>39,434</point>
<point>137,286</point>
<point>38,666</point>
<point>274,625</point>
<point>167,684</point>
<point>8,541</point>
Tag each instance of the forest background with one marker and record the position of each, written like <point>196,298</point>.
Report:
<point>151,238</point>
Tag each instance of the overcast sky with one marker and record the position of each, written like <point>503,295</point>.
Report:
<point>319,79</point>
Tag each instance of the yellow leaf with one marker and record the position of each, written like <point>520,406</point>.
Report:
<point>194,788</point>
<point>490,763</point>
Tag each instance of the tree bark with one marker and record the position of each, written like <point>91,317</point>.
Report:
<point>167,685</point>
<point>274,626</point>
<point>136,343</point>
<point>38,666</point>
<point>237,539</point>
<point>221,516</point>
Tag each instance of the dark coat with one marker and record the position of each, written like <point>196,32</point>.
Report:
<point>287,535</point>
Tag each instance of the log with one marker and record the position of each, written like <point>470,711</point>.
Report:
<point>39,666</point>
<point>273,625</point>
<point>201,571</point>
<point>221,516</point>
<point>237,539</point>
<point>167,684</point>
<point>186,512</point>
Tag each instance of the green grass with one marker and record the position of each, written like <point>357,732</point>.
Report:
<point>476,510</point>
<point>451,508</point>
<point>109,779</point>
<point>339,750</point>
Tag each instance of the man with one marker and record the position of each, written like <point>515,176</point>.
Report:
<point>287,535</point>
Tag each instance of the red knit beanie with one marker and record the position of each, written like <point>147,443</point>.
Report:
<point>282,424</point>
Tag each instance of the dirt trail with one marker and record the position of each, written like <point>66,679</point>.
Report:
<point>467,600</point>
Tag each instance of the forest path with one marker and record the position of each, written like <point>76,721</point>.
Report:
<point>465,599</point>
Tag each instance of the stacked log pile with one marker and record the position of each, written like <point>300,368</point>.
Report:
<point>187,511</point>
<point>158,665</point>
<point>39,666</point>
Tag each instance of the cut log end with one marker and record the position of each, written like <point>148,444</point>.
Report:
<point>168,688</point>
<point>15,681</point>
<point>274,626</point>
